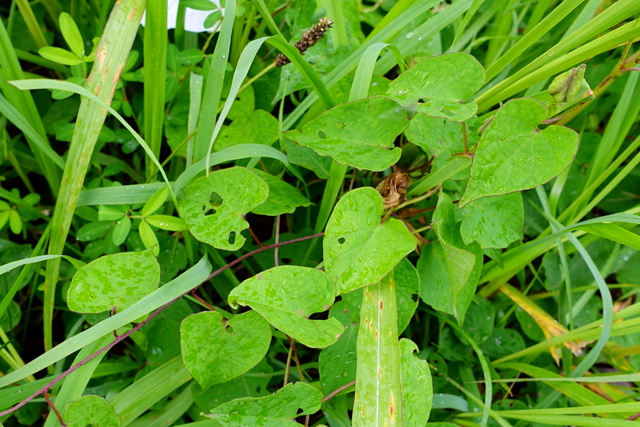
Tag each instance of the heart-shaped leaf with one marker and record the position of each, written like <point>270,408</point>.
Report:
<point>215,351</point>
<point>275,410</point>
<point>113,282</point>
<point>91,411</point>
<point>213,206</point>
<point>359,134</point>
<point>439,85</point>
<point>514,155</point>
<point>358,249</point>
<point>286,296</point>
<point>493,222</point>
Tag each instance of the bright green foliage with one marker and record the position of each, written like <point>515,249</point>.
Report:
<point>514,154</point>
<point>91,410</point>
<point>493,222</point>
<point>113,282</point>
<point>439,85</point>
<point>283,198</point>
<point>215,350</point>
<point>286,296</point>
<point>269,411</point>
<point>213,206</point>
<point>358,249</point>
<point>417,389</point>
<point>358,134</point>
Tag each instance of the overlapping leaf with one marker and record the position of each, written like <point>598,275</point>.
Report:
<point>286,296</point>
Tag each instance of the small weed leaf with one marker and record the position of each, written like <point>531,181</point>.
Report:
<point>439,85</point>
<point>274,410</point>
<point>283,198</point>
<point>113,282</point>
<point>286,296</point>
<point>493,222</point>
<point>213,206</point>
<point>91,410</point>
<point>407,288</point>
<point>358,249</point>
<point>337,363</point>
<point>514,155</point>
<point>417,388</point>
<point>359,134</point>
<point>449,270</point>
<point>215,352</point>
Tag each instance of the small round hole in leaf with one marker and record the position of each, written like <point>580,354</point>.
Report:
<point>214,201</point>
<point>341,240</point>
<point>322,135</point>
<point>232,238</point>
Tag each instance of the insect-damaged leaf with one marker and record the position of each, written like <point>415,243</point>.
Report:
<point>359,134</point>
<point>215,351</point>
<point>286,296</point>
<point>113,281</point>
<point>358,249</point>
<point>213,206</point>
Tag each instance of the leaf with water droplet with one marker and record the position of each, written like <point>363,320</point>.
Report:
<point>213,207</point>
<point>515,155</point>
<point>358,249</point>
<point>359,134</point>
<point>439,85</point>
<point>286,296</point>
<point>113,281</point>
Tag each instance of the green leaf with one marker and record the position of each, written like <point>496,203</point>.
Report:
<point>190,56</point>
<point>91,410</point>
<point>449,270</point>
<point>148,237</point>
<point>358,249</point>
<point>167,222</point>
<point>359,134</point>
<point>111,213</point>
<point>493,222</point>
<point>213,207</point>
<point>439,85</point>
<point>92,231</point>
<point>15,223</point>
<point>215,350</point>
<point>199,4</point>
<point>275,410</point>
<point>283,198</point>
<point>514,155</point>
<point>59,55</point>
<point>113,281</point>
<point>259,127</point>
<point>417,389</point>
<point>121,231</point>
<point>71,34</point>
<point>4,217</point>
<point>337,363</point>
<point>407,285</point>
<point>286,296</point>
<point>155,202</point>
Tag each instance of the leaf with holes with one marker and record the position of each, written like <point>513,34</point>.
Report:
<point>113,282</point>
<point>514,155</point>
<point>359,134</point>
<point>286,296</point>
<point>438,86</point>
<point>358,249</point>
<point>277,409</point>
<point>213,207</point>
<point>215,351</point>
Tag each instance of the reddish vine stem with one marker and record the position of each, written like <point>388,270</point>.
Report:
<point>53,382</point>
<point>54,409</point>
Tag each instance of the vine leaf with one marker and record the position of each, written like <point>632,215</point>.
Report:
<point>113,282</point>
<point>91,410</point>
<point>358,249</point>
<point>286,296</point>
<point>213,207</point>
<point>215,351</point>
<point>513,154</point>
<point>359,134</point>
<point>439,85</point>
